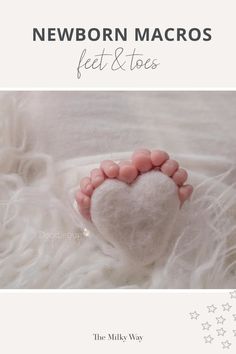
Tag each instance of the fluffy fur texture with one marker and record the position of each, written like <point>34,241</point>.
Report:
<point>138,219</point>
<point>43,243</point>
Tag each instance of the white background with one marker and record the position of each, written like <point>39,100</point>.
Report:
<point>28,64</point>
<point>65,323</point>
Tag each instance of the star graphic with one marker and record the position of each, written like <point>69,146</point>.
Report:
<point>208,339</point>
<point>226,307</point>
<point>220,320</point>
<point>233,294</point>
<point>194,315</point>
<point>206,326</point>
<point>212,308</point>
<point>234,316</point>
<point>226,344</point>
<point>221,332</point>
<point>234,331</point>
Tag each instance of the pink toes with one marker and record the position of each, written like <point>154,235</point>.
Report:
<point>85,213</point>
<point>180,176</point>
<point>128,172</point>
<point>185,192</point>
<point>110,168</point>
<point>84,203</point>
<point>86,186</point>
<point>97,177</point>
<point>158,157</point>
<point>141,159</point>
<point>169,167</point>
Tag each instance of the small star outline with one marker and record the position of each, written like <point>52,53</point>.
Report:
<point>212,308</point>
<point>194,315</point>
<point>226,307</point>
<point>206,326</point>
<point>226,344</point>
<point>221,331</point>
<point>233,294</point>
<point>208,339</point>
<point>220,320</point>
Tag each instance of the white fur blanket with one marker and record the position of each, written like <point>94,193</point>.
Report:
<point>49,140</point>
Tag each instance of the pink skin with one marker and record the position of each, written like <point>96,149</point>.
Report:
<point>127,172</point>
<point>110,168</point>
<point>142,161</point>
<point>97,177</point>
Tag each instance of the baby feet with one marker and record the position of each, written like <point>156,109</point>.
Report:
<point>142,161</point>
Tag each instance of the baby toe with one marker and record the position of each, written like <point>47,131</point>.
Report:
<point>180,176</point>
<point>110,168</point>
<point>85,213</point>
<point>144,151</point>
<point>128,172</point>
<point>83,200</point>
<point>169,167</point>
<point>86,186</point>
<point>141,159</point>
<point>185,192</point>
<point>97,177</point>
<point>84,203</point>
<point>158,157</point>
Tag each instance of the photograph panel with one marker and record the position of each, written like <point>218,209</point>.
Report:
<point>117,189</point>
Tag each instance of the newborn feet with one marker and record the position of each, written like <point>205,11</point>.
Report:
<point>142,161</point>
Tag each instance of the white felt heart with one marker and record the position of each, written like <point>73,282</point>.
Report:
<point>138,218</point>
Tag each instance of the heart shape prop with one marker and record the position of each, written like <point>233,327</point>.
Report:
<point>137,219</point>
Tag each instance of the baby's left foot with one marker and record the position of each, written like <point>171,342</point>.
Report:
<point>142,161</point>
<point>133,205</point>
